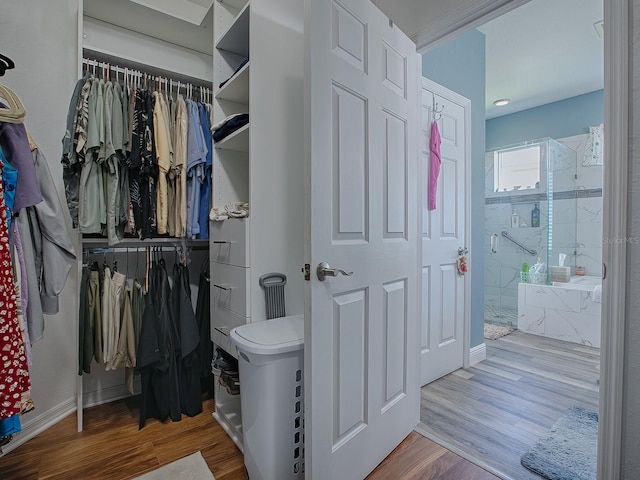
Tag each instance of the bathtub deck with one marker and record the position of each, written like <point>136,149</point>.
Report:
<point>566,312</point>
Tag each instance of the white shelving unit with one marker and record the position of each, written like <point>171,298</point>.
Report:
<point>238,140</point>
<point>262,164</point>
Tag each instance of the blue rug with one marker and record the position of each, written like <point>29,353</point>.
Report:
<point>569,450</point>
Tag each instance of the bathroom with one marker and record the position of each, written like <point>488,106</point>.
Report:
<point>543,209</point>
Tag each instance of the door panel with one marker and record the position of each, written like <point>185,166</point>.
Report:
<point>350,179</point>
<point>361,331</point>
<point>395,172</point>
<point>349,329</point>
<point>443,291</point>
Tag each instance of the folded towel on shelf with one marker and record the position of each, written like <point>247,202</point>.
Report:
<point>242,64</point>
<point>596,296</point>
<point>229,125</point>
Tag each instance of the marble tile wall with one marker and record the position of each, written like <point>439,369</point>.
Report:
<point>567,314</point>
<point>581,215</point>
<point>589,210</point>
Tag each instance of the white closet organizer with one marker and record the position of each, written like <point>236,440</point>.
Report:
<point>102,386</point>
<point>262,164</point>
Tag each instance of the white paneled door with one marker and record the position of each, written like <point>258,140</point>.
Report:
<point>362,328</point>
<point>444,290</point>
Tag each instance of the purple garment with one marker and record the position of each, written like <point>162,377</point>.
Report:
<point>15,145</point>
<point>434,164</point>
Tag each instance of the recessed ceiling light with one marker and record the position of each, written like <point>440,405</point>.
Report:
<point>502,102</point>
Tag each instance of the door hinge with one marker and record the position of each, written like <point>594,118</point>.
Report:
<point>307,271</point>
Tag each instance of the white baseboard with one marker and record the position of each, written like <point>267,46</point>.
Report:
<point>109,394</point>
<point>477,354</point>
<point>39,424</point>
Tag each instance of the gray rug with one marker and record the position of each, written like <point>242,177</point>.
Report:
<point>569,451</point>
<point>493,331</point>
<point>192,467</point>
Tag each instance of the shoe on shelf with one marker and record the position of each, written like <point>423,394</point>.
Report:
<point>230,382</point>
<point>222,361</point>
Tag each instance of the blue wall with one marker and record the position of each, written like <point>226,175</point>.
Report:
<point>565,118</point>
<point>459,65</point>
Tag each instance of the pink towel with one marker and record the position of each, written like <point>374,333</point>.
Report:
<point>434,164</point>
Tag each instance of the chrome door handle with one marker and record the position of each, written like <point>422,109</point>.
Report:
<point>463,250</point>
<point>324,270</point>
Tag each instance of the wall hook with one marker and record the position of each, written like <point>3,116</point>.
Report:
<point>437,113</point>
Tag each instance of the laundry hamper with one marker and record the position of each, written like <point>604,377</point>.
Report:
<point>270,360</point>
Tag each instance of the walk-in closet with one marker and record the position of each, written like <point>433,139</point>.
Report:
<point>243,64</point>
<point>301,170</point>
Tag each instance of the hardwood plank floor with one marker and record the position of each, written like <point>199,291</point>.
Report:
<point>112,447</point>
<point>495,411</point>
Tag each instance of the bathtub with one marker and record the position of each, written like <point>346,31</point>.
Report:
<point>565,311</point>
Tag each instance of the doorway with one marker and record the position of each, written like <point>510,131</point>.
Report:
<point>513,274</point>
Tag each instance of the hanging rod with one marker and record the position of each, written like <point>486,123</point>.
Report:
<point>530,251</point>
<point>118,65</point>
<point>162,248</point>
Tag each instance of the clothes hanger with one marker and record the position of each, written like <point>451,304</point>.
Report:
<point>16,111</point>
<point>5,64</point>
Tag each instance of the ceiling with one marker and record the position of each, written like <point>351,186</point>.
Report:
<point>538,53</point>
<point>542,52</point>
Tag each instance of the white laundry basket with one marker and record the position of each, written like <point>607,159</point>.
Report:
<point>270,359</point>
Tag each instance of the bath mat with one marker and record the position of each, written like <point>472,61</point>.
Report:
<point>192,467</point>
<point>569,450</point>
<point>493,332</point>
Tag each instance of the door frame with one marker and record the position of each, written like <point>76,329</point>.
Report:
<point>465,103</point>
<point>615,224</point>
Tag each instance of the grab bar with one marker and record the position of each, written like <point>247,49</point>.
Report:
<point>510,238</point>
<point>493,242</point>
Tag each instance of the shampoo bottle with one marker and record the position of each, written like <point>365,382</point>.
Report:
<point>515,219</point>
<point>535,216</point>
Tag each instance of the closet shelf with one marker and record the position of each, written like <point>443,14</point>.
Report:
<point>237,4</point>
<point>238,140</point>
<point>228,416</point>
<point>237,87</point>
<point>149,242</point>
<point>236,38</point>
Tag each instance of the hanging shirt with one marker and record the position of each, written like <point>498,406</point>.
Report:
<point>70,165</point>
<point>9,181</point>
<point>164,154</point>
<point>15,147</point>
<point>434,164</point>
<point>113,140</point>
<point>196,158</point>
<point>180,171</point>
<point>92,201</point>
<point>205,189</point>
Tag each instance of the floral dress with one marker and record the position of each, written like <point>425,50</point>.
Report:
<point>14,373</point>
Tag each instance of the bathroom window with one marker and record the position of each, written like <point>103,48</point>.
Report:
<point>517,168</point>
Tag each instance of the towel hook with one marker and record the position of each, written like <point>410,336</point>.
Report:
<point>437,113</point>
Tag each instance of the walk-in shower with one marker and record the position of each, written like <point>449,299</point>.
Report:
<point>530,219</point>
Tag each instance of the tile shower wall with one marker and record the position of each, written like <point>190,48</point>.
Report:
<point>589,207</point>
<point>502,270</point>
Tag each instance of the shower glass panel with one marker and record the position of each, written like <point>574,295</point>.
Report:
<point>530,222</point>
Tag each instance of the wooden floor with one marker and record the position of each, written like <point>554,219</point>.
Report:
<point>112,447</point>
<point>496,410</point>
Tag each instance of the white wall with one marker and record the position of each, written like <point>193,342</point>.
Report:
<point>42,38</point>
<point>123,43</point>
<point>630,455</point>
